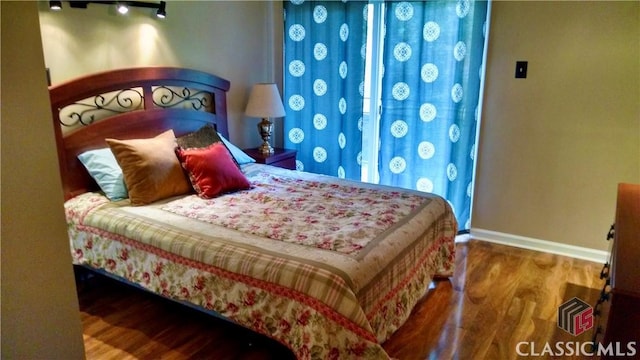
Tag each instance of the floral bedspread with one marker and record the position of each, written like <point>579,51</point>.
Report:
<point>321,292</point>
<point>339,217</point>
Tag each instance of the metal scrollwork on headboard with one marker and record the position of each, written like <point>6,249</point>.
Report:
<point>169,97</point>
<point>89,110</point>
<point>130,103</point>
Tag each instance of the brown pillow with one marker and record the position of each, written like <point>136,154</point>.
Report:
<point>150,167</point>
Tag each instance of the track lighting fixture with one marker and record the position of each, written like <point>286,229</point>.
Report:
<point>121,6</point>
<point>162,11</point>
<point>55,5</point>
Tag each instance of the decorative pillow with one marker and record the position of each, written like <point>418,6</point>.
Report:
<point>212,171</point>
<point>104,169</point>
<point>240,156</point>
<point>201,138</point>
<point>150,167</point>
<point>208,135</point>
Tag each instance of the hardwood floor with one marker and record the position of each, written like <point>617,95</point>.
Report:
<point>498,297</point>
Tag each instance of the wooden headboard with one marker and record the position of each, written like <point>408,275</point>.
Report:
<point>129,104</point>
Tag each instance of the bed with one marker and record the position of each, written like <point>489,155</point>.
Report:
<point>331,268</point>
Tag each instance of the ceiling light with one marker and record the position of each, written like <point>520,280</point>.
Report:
<point>122,8</point>
<point>162,11</point>
<point>55,5</point>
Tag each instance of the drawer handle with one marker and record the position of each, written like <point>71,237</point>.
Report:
<point>605,294</point>
<point>598,330</point>
<point>612,232</point>
<point>594,341</point>
<point>604,273</point>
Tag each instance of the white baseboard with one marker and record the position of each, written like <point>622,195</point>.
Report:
<point>573,251</point>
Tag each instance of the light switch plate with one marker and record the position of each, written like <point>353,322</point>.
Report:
<point>521,69</point>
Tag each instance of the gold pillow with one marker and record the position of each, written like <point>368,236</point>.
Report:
<point>150,167</point>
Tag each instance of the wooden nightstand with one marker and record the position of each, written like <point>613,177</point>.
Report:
<point>284,158</point>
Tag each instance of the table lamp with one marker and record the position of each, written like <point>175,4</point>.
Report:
<point>265,102</point>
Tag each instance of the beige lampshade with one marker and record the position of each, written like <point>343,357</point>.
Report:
<point>265,101</point>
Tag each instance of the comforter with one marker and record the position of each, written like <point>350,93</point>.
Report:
<point>329,267</point>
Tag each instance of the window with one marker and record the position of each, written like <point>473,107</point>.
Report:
<point>387,92</point>
<point>372,82</point>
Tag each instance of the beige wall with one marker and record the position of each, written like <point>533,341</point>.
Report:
<point>554,146</point>
<point>232,39</point>
<point>40,318</point>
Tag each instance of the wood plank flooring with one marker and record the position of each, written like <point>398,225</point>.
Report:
<point>499,296</point>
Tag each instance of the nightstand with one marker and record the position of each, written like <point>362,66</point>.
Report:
<point>284,158</point>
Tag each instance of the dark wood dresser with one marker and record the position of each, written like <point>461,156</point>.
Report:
<point>618,308</point>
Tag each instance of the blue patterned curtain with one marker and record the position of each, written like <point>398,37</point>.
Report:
<point>324,72</point>
<point>432,59</point>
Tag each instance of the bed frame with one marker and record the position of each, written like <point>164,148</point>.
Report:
<point>143,102</point>
<point>134,103</point>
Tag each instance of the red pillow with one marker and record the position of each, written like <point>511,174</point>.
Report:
<point>212,170</point>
